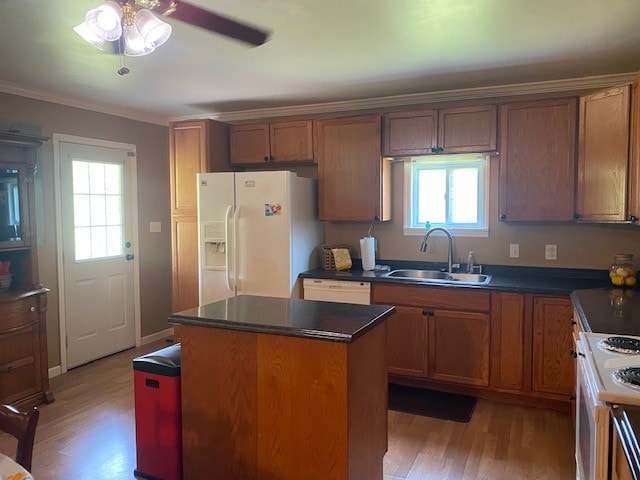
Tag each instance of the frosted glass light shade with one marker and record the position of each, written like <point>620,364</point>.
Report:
<point>85,32</point>
<point>134,45</point>
<point>105,21</point>
<point>153,30</point>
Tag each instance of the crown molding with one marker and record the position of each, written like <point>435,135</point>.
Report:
<point>497,91</point>
<point>106,108</point>
<point>518,89</point>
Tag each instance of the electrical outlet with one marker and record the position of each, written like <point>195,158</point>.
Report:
<point>514,250</point>
<point>550,252</point>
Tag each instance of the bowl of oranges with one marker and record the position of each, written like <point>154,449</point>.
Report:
<point>622,273</point>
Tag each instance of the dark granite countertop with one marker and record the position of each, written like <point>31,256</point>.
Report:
<point>339,322</point>
<point>626,420</point>
<point>608,310</point>
<point>552,281</point>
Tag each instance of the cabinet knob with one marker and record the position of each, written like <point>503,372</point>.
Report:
<point>633,218</point>
<point>440,149</point>
<point>573,353</point>
<point>33,309</point>
<point>503,217</point>
<point>573,322</point>
<point>266,158</point>
<point>434,150</point>
<point>576,216</point>
<point>572,398</point>
<point>425,312</point>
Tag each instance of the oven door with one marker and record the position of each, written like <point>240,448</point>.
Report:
<point>592,424</point>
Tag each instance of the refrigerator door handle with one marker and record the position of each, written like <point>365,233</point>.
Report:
<point>227,219</point>
<point>236,242</point>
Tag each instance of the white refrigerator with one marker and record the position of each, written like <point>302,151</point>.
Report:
<point>257,232</point>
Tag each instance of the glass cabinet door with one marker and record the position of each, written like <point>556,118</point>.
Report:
<point>14,219</point>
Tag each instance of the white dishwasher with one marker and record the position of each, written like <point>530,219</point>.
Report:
<point>341,291</point>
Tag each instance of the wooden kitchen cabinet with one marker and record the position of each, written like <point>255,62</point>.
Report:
<point>459,347</point>
<point>634,154</point>
<point>354,181</point>
<point>552,363</point>
<point>457,350</point>
<point>508,342</point>
<point>407,341</point>
<point>449,130</point>
<point>24,370</point>
<point>537,160</point>
<point>603,155</point>
<point>195,146</point>
<point>281,142</point>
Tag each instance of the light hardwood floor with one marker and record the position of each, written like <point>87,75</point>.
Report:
<point>88,434</point>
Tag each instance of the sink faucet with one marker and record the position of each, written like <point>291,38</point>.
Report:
<point>425,244</point>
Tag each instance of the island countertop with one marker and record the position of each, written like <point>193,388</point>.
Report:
<point>339,322</point>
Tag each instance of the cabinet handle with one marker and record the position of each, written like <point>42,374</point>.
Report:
<point>32,309</point>
<point>503,217</point>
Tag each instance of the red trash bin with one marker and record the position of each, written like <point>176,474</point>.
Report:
<point>158,417</point>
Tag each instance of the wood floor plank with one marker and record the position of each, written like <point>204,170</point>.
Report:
<point>88,433</point>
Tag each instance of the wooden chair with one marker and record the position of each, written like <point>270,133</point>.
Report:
<point>22,426</point>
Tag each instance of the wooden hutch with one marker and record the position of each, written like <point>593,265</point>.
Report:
<point>24,375</point>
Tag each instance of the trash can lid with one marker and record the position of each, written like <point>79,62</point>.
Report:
<point>163,362</point>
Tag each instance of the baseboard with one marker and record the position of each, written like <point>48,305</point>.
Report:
<point>55,371</point>
<point>154,337</point>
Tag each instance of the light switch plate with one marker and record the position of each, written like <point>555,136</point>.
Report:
<point>155,227</point>
<point>514,250</point>
<point>550,252</point>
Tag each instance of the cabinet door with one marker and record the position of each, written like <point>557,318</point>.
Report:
<point>459,347</point>
<point>537,160</point>
<point>410,133</point>
<point>468,129</point>
<point>552,341</point>
<point>507,341</point>
<point>350,183</point>
<point>249,143</point>
<point>407,334</point>
<point>188,156</point>
<point>634,154</point>
<point>184,243</point>
<point>291,141</point>
<point>603,154</point>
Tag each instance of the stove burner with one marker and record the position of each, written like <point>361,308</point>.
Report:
<point>629,376</point>
<point>621,345</point>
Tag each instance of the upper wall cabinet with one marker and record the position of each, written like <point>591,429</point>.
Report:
<point>634,159</point>
<point>603,155</point>
<point>277,142</point>
<point>353,179</point>
<point>450,130</point>
<point>537,160</point>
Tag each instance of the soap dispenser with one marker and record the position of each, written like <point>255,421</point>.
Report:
<point>471,261</point>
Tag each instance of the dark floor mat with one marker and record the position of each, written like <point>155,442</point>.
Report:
<point>430,403</point>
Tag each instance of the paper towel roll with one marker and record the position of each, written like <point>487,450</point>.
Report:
<point>368,252</point>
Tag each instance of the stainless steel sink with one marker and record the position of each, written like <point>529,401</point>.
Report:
<point>434,276</point>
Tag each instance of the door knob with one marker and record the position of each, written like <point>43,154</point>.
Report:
<point>129,256</point>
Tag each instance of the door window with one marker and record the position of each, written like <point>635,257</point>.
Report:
<point>98,213</point>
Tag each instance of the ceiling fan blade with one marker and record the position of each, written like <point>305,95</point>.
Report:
<point>217,23</point>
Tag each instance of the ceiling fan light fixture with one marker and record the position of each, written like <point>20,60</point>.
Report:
<point>153,30</point>
<point>134,44</point>
<point>85,32</point>
<point>105,22</point>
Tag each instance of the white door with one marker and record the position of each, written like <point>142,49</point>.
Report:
<point>263,229</point>
<point>96,201</point>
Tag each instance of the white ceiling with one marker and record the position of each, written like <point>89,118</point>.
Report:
<point>319,51</point>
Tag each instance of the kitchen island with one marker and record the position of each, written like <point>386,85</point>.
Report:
<point>283,389</point>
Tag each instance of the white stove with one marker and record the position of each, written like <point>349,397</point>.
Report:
<point>605,367</point>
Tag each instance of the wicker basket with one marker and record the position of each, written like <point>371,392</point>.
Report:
<point>328,262</point>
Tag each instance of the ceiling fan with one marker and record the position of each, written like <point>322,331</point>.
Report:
<point>136,31</point>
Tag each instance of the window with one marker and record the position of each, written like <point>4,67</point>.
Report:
<point>98,215</point>
<point>447,191</point>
